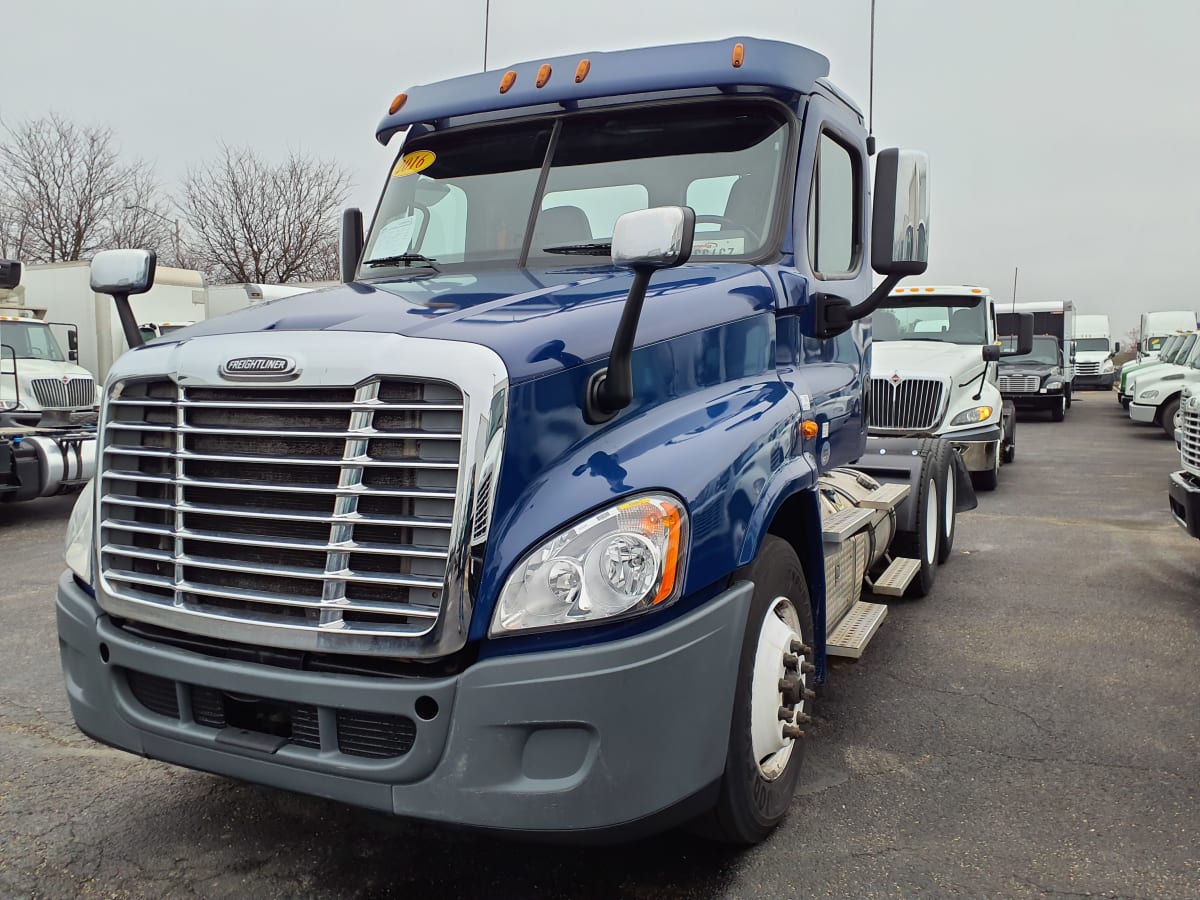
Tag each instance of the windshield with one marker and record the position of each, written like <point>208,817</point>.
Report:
<point>549,190</point>
<point>955,320</point>
<point>1179,351</point>
<point>1091,345</point>
<point>1155,343</point>
<point>29,340</point>
<point>1044,353</point>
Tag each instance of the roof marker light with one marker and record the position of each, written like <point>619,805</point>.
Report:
<point>397,104</point>
<point>543,75</point>
<point>506,83</point>
<point>581,70</point>
<point>739,55</point>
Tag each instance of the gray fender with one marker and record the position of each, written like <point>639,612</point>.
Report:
<point>899,460</point>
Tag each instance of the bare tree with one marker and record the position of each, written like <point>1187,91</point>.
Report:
<point>253,221</point>
<point>65,191</point>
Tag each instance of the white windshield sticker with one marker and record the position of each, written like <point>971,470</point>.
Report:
<point>394,238</point>
<point>718,246</point>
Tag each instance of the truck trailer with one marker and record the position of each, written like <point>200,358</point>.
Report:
<point>548,519</point>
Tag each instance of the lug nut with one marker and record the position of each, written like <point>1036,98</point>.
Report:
<point>802,719</point>
<point>790,688</point>
<point>786,713</point>
<point>802,648</point>
<point>807,668</point>
<point>808,695</point>
<point>791,662</point>
<point>791,731</point>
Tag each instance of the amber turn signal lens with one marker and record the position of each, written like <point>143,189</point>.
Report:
<point>397,104</point>
<point>739,56</point>
<point>810,429</point>
<point>509,79</point>
<point>581,70</point>
<point>543,75</point>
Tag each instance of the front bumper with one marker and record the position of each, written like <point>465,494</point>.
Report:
<point>1035,401</point>
<point>1143,412</point>
<point>591,740</point>
<point>978,447</point>
<point>1184,494</point>
<point>1102,382</point>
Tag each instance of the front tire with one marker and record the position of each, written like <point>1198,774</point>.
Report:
<point>763,763</point>
<point>944,455</point>
<point>1058,413</point>
<point>1167,417</point>
<point>989,480</point>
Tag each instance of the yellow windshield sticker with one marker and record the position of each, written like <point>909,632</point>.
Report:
<point>411,163</point>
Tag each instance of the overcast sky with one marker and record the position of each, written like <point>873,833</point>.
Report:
<point>1063,134</point>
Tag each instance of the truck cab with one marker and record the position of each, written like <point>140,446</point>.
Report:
<point>1155,392</point>
<point>571,470</point>
<point>1155,327</point>
<point>1094,352</point>
<point>1037,380</point>
<point>934,372</point>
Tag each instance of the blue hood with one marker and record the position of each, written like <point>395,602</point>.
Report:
<point>556,319</point>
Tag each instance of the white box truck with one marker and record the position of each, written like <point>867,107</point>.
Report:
<point>226,298</point>
<point>64,292</point>
<point>1094,352</point>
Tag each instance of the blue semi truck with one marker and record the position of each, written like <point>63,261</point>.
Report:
<point>547,520</point>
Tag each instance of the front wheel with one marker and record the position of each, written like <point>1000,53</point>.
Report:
<point>772,703</point>
<point>1058,413</point>
<point>988,480</point>
<point>944,455</point>
<point>922,542</point>
<point>1169,417</point>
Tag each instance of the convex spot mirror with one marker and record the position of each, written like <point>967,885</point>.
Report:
<point>656,238</point>
<point>900,213</point>
<point>10,274</point>
<point>123,271</point>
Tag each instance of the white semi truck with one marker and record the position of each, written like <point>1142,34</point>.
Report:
<point>64,291</point>
<point>1155,327</point>
<point>1156,391</point>
<point>934,372</point>
<point>1183,486</point>
<point>1166,351</point>
<point>1094,352</point>
<point>47,403</point>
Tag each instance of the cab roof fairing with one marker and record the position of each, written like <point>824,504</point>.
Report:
<point>773,65</point>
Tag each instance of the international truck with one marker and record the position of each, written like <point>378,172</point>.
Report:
<point>548,519</point>
<point>1055,318</point>
<point>1156,391</point>
<point>1038,380</point>
<point>1155,327</point>
<point>1175,351</point>
<point>934,373</point>
<point>1094,352</point>
<point>63,290</point>
<point>47,403</point>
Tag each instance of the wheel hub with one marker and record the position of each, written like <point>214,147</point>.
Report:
<point>779,688</point>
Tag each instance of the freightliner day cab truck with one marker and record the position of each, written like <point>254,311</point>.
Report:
<point>47,402</point>
<point>1094,352</point>
<point>1156,391</point>
<point>934,372</point>
<point>1055,318</point>
<point>1175,351</point>
<point>547,520</point>
<point>1037,381</point>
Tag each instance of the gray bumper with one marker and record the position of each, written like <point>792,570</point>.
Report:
<point>1094,382</point>
<point>978,447</point>
<point>587,739</point>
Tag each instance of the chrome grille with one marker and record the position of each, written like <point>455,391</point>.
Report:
<point>1018,384</point>
<point>320,510</point>
<point>54,393</point>
<point>1087,368</point>
<point>1189,434</point>
<point>913,404</point>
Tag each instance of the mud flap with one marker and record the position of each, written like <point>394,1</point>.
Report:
<point>899,460</point>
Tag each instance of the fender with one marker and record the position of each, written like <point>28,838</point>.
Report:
<point>899,460</point>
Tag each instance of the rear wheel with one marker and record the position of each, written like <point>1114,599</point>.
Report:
<point>1168,417</point>
<point>765,745</point>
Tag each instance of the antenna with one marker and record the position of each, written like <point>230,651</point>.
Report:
<point>871,89</point>
<point>487,15</point>
<point>1016,269</point>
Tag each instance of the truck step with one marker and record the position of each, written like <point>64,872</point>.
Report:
<point>843,523</point>
<point>888,496</point>
<point>856,629</point>
<point>897,577</point>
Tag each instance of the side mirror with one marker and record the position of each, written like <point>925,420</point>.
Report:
<point>10,274</point>
<point>1116,348</point>
<point>645,241</point>
<point>351,246</point>
<point>900,213</point>
<point>1024,337</point>
<point>121,273</point>
<point>991,353</point>
<point>651,239</point>
<point>73,340</point>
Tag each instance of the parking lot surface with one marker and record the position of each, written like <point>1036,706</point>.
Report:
<point>1031,728</point>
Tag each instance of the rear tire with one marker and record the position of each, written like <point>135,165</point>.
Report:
<point>922,542</point>
<point>762,765</point>
<point>989,480</point>
<point>1167,416</point>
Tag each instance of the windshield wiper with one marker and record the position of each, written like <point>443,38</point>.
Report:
<point>404,259</point>
<point>599,248</point>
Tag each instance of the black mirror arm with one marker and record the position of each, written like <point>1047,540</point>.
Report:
<point>981,379</point>
<point>133,334</point>
<point>835,315</point>
<point>610,389</point>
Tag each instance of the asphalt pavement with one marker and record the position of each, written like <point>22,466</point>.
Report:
<point>1031,728</point>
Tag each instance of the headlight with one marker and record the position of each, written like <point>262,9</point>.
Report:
<point>622,561</point>
<point>1106,366</point>
<point>1147,395</point>
<point>1053,385</point>
<point>78,549</point>
<point>971,416</point>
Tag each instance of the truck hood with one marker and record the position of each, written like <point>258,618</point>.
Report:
<point>45,368</point>
<point>933,358</point>
<point>1091,355</point>
<point>556,318</point>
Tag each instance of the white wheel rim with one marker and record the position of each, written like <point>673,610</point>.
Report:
<point>931,521</point>
<point>780,626</point>
<point>948,506</point>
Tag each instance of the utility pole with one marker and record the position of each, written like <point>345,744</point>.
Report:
<point>174,223</point>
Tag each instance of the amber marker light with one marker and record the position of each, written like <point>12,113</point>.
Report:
<point>397,104</point>
<point>809,429</point>
<point>581,70</point>
<point>506,83</point>
<point>739,55</point>
<point>543,75</point>
<point>671,522</point>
